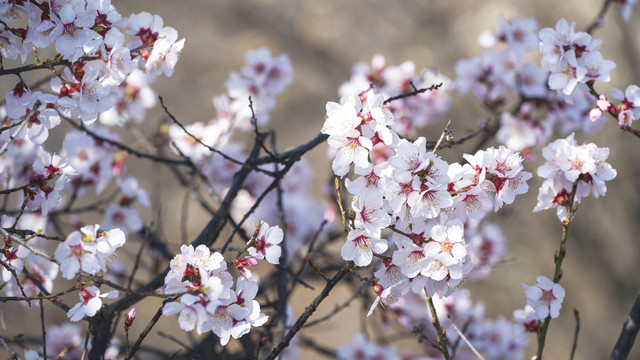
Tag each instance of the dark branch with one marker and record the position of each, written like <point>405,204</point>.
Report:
<point>309,310</point>
<point>628,334</point>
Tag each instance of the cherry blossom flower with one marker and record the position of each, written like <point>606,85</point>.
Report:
<point>122,217</point>
<point>515,133</point>
<point>370,215</point>
<point>265,243</point>
<point>360,247</point>
<point>520,35</point>
<point>545,297</point>
<point>371,182</point>
<point>192,312</point>
<point>188,268</point>
<point>48,167</point>
<point>90,303</point>
<point>12,257</point>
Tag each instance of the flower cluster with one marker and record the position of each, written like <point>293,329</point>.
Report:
<point>572,172</point>
<point>207,301</point>
<point>91,36</point>
<point>501,74</point>
<point>572,57</point>
<point>417,195</point>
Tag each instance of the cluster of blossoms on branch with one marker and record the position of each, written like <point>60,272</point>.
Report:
<point>207,301</point>
<point>572,171</point>
<point>106,58</point>
<point>418,195</point>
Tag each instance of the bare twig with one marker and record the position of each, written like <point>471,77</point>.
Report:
<point>127,148</point>
<point>44,330</point>
<point>576,314</point>
<point>600,18</point>
<point>412,93</point>
<point>464,338</point>
<point>14,354</point>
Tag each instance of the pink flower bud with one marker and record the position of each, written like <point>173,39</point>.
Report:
<point>131,315</point>
<point>244,266</point>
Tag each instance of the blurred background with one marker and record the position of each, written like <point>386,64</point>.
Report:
<point>323,40</point>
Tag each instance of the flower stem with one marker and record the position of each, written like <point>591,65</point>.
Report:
<point>571,210</point>
<point>344,220</point>
<point>442,339</point>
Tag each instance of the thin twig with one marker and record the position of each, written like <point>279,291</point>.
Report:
<point>86,343</point>
<point>124,147</point>
<point>562,252</point>
<point>307,342</point>
<point>144,333</point>
<point>412,93</point>
<point>258,135</point>
<point>14,354</point>
<point>15,277</point>
<point>600,18</point>
<point>442,338</point>
<point>464,338</point>
<point>338,308</point>
<point>446,134</point>
<point>576,314</point>
<point>339,200</point>
<point>44,330</point>
<point>47,64</point>
<point>175,340</point>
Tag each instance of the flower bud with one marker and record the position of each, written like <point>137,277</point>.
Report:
<point>131,315</point>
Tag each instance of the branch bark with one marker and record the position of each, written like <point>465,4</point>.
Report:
<point>629,333</point>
